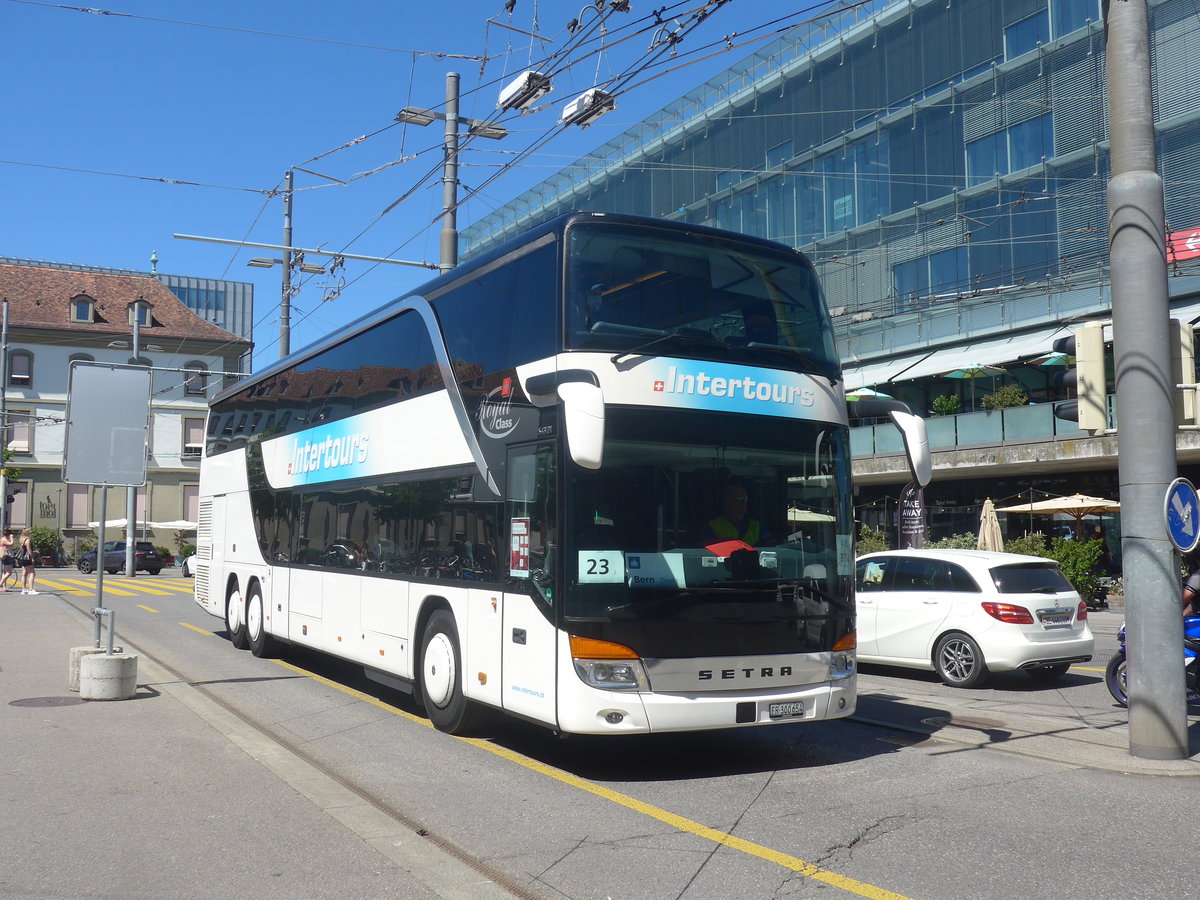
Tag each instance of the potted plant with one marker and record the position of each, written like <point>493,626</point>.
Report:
<point>946,405</point>
<point>47,544</point>
<point>1006,397</point>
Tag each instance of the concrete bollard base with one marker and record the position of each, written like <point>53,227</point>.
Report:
<point>104,677</point>
<point>78,653</point>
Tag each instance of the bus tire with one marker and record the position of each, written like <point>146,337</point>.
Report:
<point>262,644</point>
<point>235,613</point>
<point>441,676</point>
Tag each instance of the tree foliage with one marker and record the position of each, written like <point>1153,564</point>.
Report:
<point>1078,559</point>
<point>871,541</point>
<point>954,542</point>
<point>1006,397</point>
<point>1028,545</point>
<point>946,405</point>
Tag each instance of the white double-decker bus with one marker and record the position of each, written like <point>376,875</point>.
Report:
<point>598,478</point>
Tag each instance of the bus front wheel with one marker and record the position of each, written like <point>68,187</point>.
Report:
<point>234,615</point>
<point>441,676</point>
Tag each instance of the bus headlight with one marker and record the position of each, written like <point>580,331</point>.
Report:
<point>604,664</point>
<point>841,664</point>
<point>612,674</point>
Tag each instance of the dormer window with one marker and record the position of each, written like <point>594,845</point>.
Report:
<point>139,313</point>
<point>83,309</point>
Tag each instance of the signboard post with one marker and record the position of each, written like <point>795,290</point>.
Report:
<point>108,420</point>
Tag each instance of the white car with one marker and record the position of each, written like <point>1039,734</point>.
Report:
<point>966,613</point>
<point>189,566</point>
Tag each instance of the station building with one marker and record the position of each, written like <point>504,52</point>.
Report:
<point>944,164</point>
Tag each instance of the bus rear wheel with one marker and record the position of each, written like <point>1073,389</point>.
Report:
<point>234,614</point>
<point>441,676</point>
<point>261,643</point>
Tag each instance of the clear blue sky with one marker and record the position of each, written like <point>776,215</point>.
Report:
<point>101,105</point>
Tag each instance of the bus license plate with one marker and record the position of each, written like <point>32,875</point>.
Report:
<point>786,710</point>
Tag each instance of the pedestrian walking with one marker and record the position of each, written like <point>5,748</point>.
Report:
<point>7,566</point>
<point>25,556</point>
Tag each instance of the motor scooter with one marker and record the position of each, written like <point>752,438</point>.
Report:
<point>1115,677</point>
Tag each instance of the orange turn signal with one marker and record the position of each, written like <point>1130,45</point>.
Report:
<point>591,648</point>
<point>846,642</point>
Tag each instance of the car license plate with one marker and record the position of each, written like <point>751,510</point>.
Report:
<point>786,710</point>
<point>1051,617</point>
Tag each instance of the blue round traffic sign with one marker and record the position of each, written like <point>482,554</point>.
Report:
<point>1182,509</point>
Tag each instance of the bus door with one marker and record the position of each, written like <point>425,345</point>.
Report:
<point>528,636</point>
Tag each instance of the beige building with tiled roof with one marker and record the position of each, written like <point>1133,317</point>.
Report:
<point>57,315</point>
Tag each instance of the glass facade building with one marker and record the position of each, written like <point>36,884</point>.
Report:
<point>924,154</point>
<point>943,162</point>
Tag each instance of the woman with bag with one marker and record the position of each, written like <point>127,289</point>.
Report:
<point>25,559</point>
<point>7,567</point>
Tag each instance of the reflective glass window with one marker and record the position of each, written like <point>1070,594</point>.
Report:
<point>1025,35</point>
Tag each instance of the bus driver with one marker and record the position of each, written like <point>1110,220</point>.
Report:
<point>734,521</point>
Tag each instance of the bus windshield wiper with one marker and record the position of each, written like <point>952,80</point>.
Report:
<point>790,351</point>
<point>707,340</point>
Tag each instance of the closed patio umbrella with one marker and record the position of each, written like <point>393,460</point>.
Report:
<point>990,537</point>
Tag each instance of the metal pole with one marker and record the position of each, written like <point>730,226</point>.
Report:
<point>4,419</point>
<point>285,302</point>
<point>100,562</point>
<point>449,254</point>
<point>1145,393</point>
<point>131,491</point>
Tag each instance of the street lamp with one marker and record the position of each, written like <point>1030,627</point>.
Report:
<point>413,115</point>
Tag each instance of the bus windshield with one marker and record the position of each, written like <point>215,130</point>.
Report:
<point>695,515</point>
<point>636,289</point>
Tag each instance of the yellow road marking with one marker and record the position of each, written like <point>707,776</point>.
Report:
<point>107,588</point>
<point>750,848</point>
<point>197,629</point>
<point>146,608</point>
<point>140,588</point>
<point>61,586</point>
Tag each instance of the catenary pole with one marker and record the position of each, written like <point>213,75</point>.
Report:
<point>449,245</point>
<point>1145,392</point>
<point>285,299</point>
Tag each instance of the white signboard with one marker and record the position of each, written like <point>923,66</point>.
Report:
<point>108,423</point>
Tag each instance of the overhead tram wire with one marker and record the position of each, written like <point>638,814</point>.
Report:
<point>631,71</point>
<point>274,34</point>
<point>576,40</point>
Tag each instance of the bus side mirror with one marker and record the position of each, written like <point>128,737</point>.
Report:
<point>583,414</point>
<point>916,444</point>
<point>912,430</point>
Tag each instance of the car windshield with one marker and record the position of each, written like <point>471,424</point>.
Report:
<point>1031,578</point>
<point>637,290</point>
<point>702,517</point>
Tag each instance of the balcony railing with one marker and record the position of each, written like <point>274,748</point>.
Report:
<point>1015,425</point>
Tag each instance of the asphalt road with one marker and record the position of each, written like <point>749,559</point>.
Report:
<point>1016,789</point>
